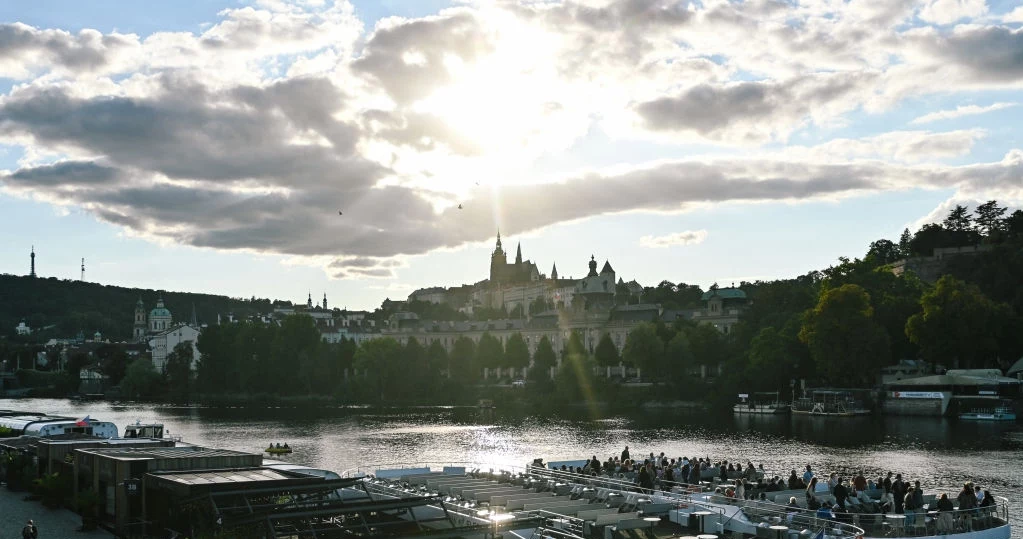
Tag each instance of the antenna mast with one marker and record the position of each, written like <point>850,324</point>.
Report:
<point>82,277</point>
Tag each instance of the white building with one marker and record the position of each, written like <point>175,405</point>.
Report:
<point>22,329</point>
<point>163,343</point>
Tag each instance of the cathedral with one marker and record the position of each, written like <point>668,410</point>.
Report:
<point>159,319</point>
<point>501,272</point>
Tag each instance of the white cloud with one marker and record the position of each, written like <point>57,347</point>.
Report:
<point>950,11</point>
<point>1015,15</point>
<point>960,111</point>
<point>688,237</point>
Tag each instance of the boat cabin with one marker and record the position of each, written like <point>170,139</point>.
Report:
<point>144,430</point>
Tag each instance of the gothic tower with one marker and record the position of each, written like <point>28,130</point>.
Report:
<point>518,255</point>
<point>32,272</point>
<point>498,260</point>
<point>309,301</point>
<point>138,332</point>
<point>554,272</point>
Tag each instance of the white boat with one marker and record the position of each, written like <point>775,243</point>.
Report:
<point>539,502</point>
<point>1002,413</point>
<point>148,430</point>
<point>760,403</point>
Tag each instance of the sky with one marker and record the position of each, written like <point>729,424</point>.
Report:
<point>364,149</point>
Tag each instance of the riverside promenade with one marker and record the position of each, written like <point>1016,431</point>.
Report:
<point>62,523</point>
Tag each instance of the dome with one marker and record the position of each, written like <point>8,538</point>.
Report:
<point>159,311</point>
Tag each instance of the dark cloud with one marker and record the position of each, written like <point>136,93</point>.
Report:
<point>88,50</point>
<point>408,58</point>
<point>991,54</point>
<point>752,109</point>
<point>80,173</point>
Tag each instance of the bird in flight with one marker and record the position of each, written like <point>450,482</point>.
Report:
<point>339,212</point>
<point>459,206</point>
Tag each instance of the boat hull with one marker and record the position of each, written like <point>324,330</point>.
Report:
<point>760,410</point>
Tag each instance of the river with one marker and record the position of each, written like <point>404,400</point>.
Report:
<point>941,453</point>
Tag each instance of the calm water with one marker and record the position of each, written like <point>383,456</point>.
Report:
<point>941,453</point>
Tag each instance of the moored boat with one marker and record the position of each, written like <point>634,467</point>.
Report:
<point>760,403</point>
<point>831,402</point>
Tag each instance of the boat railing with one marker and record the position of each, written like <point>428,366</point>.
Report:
<point>869,523</point>
<point>616,483</point>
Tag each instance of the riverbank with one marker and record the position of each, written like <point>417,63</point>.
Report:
<point>15,511</point>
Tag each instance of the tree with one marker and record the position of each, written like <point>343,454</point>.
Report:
<point>883,252</point>
<point>179,369</point>
<point>437,356</point>
<point>904,241</point>
<point>606,353</point>
<point>543,360</point>
<point>771,363</point>
<point>645,350</point>
<point>959,326</point>
<point>574,346</point>
<point>463,367</point>
<point>516,353</point>
<point>958,220</point>
<point>989,221</point>
<point>679,356</point>
<point>140,380</point>
<point>489,352</point>
<point>929,238</point>
<point>539,305</point>
<point>381,358</point>
<point>846,344</point>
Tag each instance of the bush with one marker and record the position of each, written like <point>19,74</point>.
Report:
<point>52,489</point>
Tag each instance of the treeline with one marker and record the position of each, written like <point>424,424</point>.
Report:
<point>56,308</point>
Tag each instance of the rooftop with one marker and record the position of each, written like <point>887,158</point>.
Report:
<point>165,453</point>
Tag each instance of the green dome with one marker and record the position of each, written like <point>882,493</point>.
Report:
<point>159,311</point>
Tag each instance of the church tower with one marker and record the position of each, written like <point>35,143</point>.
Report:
<point>554,272</point>
<point>138,332</point>
<point>32,272</point>
<point>518,255</point>
<point>309,301</point>
<point>498,261</point>
<point>324,301</point>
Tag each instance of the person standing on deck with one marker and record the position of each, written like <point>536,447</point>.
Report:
<point>841,493</point>
<point>625,454</point>
<point>860,482</point>
<point>899,492</point>
<point>807,475</point>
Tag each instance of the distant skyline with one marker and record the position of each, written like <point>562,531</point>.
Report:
<point>365,149</point>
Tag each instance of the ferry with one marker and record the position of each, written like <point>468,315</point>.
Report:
<point>760,403</point>
<point>831,402</point>
<point>42,425</point>
<point>536,501</point>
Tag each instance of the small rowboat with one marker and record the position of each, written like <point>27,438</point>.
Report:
<point>278,450</point>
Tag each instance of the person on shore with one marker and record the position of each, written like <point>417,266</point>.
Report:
<point>30,531</point>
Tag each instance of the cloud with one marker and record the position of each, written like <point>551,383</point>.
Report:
<point>24,50</point>
<point>688,237</point>
<point>362,267</point>
<point>960,111</point>
<point>900,146</point>
<point>1015,15</point>
<point>950,11</point>
<point>754,111</point>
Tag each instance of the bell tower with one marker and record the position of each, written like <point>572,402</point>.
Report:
<point>498,260</point>
<point>138,332</point>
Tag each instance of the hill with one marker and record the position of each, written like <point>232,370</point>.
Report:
<point>61,308</point>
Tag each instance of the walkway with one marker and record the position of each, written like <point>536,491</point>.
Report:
<point>15,512</point>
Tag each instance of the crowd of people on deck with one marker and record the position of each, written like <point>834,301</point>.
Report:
<point>750,482</point>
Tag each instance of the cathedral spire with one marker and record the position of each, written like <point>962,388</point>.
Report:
<point>518,254</point>
<point>309,301</point>
<point>554,272</point>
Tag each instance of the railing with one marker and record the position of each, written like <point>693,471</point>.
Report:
<point>874,524</point>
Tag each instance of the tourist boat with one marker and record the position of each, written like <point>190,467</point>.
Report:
<point>278,450</point>
<point>42,425</point>
<point>1002,412</point>
<point>831,402</point>
<point>760,403</point>
<point>536,501</point>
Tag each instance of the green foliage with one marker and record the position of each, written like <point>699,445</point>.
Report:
<point>959,326</point>
<point>847,345</point>
<point>7,433</point>
<point>489,352</point>
<point>645,350</point>
<point>141,380</point>
<point>178,370</point>
<point>606,353</point>
<point>671,296</point>
<point>381,358</point>
<point>53,489</point>
<point>463,367</point>
<point>516,352</point>
<point>543,360</point>
<point>679,357</point>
